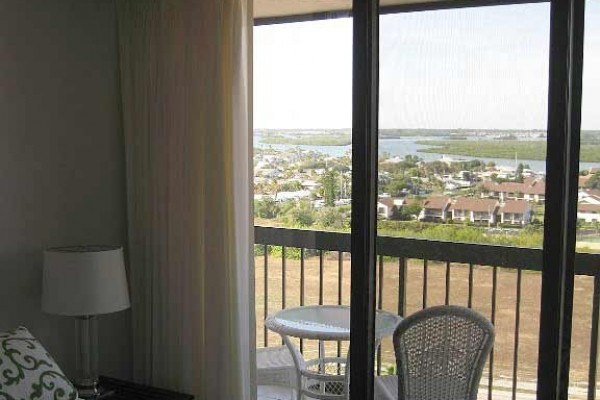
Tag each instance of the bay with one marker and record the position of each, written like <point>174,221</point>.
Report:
<point>407,146</point>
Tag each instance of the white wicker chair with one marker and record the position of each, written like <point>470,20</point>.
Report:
<point>440,354</point>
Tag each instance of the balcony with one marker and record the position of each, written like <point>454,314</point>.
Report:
<point>302,267</point>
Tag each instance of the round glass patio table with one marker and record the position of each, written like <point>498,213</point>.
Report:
<point>323,323</point>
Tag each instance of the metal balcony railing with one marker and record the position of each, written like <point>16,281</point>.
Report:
<point>503,283</point>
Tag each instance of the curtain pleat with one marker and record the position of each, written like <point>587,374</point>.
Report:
<point>186,84</point>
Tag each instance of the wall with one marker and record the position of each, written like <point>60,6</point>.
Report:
<point>61,159</point>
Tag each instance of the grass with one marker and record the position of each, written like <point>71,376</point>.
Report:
<point>457,232</point>
<point>525,150</point>
<point>332,139</point>
<point>459,288</point>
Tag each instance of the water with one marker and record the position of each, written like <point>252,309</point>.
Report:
<point>408,146</point>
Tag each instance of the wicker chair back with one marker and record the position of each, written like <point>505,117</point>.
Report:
<point>441,352</point>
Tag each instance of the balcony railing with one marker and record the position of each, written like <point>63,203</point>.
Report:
<point>300,267</point>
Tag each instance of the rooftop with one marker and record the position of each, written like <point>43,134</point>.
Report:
<point>477,205</point>
<point>436,202</point>
<point>515,206</point>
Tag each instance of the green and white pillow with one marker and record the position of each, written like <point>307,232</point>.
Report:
<point>28,372</point>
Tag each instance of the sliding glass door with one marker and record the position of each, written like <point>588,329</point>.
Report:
<point>462,173</point>
<point>586,303</point>
<point>412,155</point>
<point>303,200</point>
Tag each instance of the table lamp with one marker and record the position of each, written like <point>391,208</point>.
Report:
<point>84,281</point>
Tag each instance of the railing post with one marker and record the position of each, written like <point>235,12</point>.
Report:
<point>301,290</point>
<point>266,292</point>
<point>594,340</point>
<point>283,274</point>
<point>402,286</point>
<point>517,328</point>
<point>379,306</point>
<point>425,273</point>
<point>447,295</point>
<point>321,277</point>
<point>493,321</point>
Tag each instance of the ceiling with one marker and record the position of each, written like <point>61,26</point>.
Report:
<point>282,8</point>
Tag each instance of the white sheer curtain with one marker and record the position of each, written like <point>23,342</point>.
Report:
<point>186,84</point>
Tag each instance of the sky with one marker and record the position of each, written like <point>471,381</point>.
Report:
<point>469,68</point>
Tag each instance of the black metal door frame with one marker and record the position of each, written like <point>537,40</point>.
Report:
<point>560,221</point>
<point>365,98</point>
<point>562,168</point>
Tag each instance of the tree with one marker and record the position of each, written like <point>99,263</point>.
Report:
<point>519,172</point>
<point>594,181</point>
<point>332,217</point>
<point>397,185</point>
<point>329,181</point>
<point>410,211</point>
<point>438,167</point>
<point>272,187</point>
<point>303,214</point>
<point>266,208</point>
<point>291,186</point>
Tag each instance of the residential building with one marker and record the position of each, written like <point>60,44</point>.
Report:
<point>475,210</point>
<point>588,212</point>
<point>589,196</point>
<point>531,189</point>
<point>296,195</point>
<point>435,209</point>
<point>515,212</point>
<point>534,189</point>
<point>583,179</point>
<point>387,206</point>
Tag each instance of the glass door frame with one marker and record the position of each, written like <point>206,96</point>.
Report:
<point>560,222</point>
<point>562,169</point>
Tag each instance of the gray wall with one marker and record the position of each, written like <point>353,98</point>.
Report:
<point>61,159</point>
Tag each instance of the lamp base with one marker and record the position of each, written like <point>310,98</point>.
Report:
<point>87,389</point>
<point>94,392</point>
<point>86,360</point>
<point>105,394</point>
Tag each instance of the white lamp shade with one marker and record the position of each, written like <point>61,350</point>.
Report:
<point>84,280</point>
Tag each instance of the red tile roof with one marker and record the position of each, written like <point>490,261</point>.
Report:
<point>591,208</point>
<point>529,186</point>
<point>536,187</point>
<point>583,180</point>
<point>477,205</point>
<point>436,202</point>
<point>515,206</point>
<point>593,192</point>
<point>388,201</point>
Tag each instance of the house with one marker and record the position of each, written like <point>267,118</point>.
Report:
<point>387,206</point>
<point>583,180</point>
<point>588,212</point>
<point>531,189</point>
<point>515,212</point>
<point>504,190</point>
<point>435,208</point>
<point>475,210</point>
<point>534,189</point>
<point>589,196</point>
<point>293,196</point>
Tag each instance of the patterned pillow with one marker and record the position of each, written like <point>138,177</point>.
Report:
<point>27,372</point>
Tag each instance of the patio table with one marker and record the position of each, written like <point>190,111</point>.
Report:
<point>323,323</point>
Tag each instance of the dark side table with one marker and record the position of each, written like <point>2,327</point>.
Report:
<point>123,390</point>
